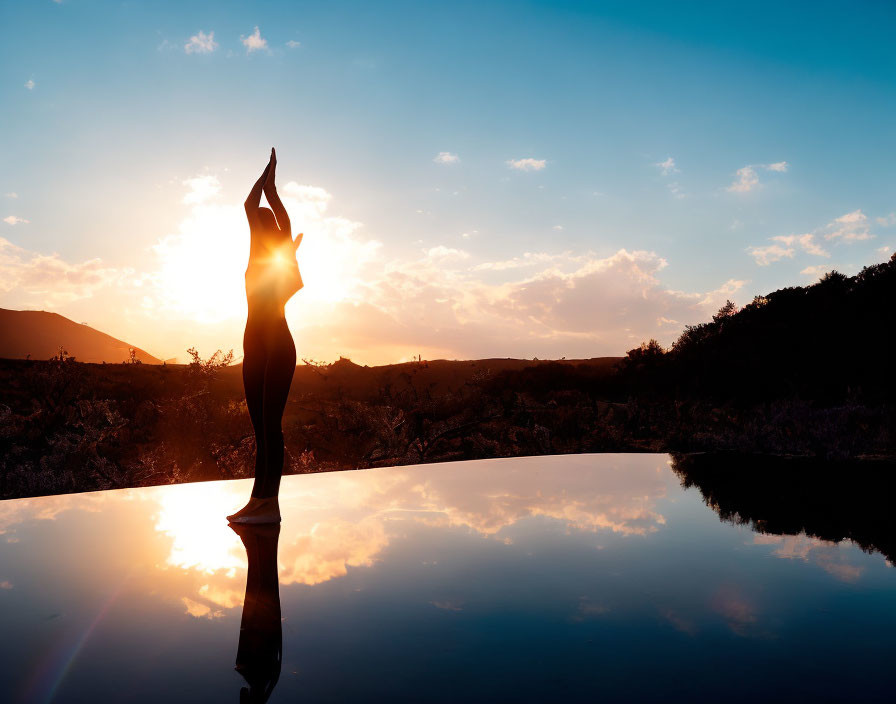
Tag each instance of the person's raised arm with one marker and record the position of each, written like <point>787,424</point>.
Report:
<point>270,192</point>
<point>253,200</point>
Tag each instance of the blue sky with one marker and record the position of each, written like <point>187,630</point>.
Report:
<point>126,111</point>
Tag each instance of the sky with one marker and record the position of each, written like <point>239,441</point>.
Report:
<point>483,179</point>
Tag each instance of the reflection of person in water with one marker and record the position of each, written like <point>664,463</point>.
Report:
<point>269,354</point>
<point>260,650</point>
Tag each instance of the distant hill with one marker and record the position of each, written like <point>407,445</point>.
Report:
<point>435,377</point>
<point>344,379</point>
<point>40,334</point>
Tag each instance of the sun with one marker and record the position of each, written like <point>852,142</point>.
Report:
<point>201,267</point>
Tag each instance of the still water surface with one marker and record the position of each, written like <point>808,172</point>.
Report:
<point>570,578</point>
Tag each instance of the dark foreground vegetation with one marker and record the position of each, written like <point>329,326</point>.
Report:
<point>804,371</point>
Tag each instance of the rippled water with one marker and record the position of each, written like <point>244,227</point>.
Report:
<point>538,579</point>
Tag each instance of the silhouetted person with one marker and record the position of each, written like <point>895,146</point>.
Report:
<point>260,650</point>
<point>269,354</point>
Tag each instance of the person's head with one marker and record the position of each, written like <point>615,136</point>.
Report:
<point>267,219</point>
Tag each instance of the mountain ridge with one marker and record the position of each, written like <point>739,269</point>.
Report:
<point>38,334</point>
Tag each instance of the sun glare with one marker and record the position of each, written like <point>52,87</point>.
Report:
<point>202,266</point>
<point>193,515</point>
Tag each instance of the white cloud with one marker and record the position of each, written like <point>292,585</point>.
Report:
<point>29,84</point>
<point>11,195</point>
<point>446,158</point>
<point>293,44</point>
<point>887,220</point>
<point>526,260</point>
<point>527,164</point>
<point>848,228</point>
<point>30,278</point>
<point>254,42</point>
<point>746,181</point>
<point>748,177</point>
<point>824,554</point>
<point>851,227</point>
<point>558,228</point>
<point>886,249</point>
<point>451,312</point>
<point>441,252</point>
<point>309,202</point>
<point>201,43</point>
<point>13,220</point>
<point>806,242</point>
<point>202,188</point>
<point>668,166</point>
<point>770,253</point>
<point>815,271</point>
<point>198,610</point>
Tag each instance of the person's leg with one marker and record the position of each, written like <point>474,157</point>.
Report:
<point>281,365</point>
<point>260,649</point>
<point>254,363</point>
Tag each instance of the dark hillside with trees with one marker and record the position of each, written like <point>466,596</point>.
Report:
<point>826,342</point>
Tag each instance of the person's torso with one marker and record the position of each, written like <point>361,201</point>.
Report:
<point>272,276</point>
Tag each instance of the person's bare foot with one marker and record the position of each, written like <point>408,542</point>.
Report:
<point>258,511</point>
<point>253,504</point>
